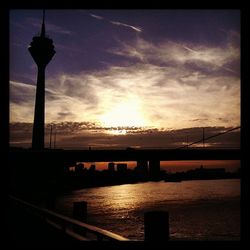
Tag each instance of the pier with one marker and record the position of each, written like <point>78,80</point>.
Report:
<point>31,224</point>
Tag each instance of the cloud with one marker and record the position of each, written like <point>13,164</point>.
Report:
<point>65,115</point>
<point>164,85</point>
<point>21,102</point>
<point>20,134</point>
<point>85,134</point>
<point>180,54</point>
<point>21,92</point>
<point>97,17</point>
<point>153,88</point>
<point>164,96</point>
<point>126,25</point>
<point>137,29</point>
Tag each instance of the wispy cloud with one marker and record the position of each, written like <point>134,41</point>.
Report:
<point>126,25</point>
<point>181,54</point>
<point>169,85</point>
<point>137,29</point>
<point>162,96</point>
<point>97,17</point>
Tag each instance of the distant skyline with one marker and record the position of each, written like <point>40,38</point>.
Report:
<point>178,166</point>
<point>129,77</point>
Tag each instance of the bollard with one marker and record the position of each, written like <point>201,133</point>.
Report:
<point>50,203</point>
<point>156,226</point>
<point>80,213</point>
<point>50,199</point>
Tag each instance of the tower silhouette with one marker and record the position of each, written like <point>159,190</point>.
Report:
<point>42,50</point>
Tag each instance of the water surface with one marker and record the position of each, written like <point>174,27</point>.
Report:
<point>198,210</point>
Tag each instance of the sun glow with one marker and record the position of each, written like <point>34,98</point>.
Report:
<point>117,131</point>
<point>124,114</point>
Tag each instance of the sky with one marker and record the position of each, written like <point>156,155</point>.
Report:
<point>129,78</point>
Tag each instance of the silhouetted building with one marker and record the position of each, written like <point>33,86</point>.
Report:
<point>79,167</point>
<point>111,166</point>
<point>92,168</point>
<point>142,166</point>
<point>42,50</point>
<point>205,173</point>
<point>210,170</point>
<point>121,167</point>
<point>154,168</point>
<point>215,170</point>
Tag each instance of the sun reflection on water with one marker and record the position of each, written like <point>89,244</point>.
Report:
<point>121,208</point>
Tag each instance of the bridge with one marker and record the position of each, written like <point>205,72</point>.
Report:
<point>71,156</point>
<point>185,152</point>
<point>42,170</point>
<point>35,175</point>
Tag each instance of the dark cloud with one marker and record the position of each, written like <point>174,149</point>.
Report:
<point>72,127</point>
<point>81,135</point>
<point>223,119</point>
<point>199,119</point>
<point>20,127</point>
<point>20,134</point>
<point>64,115</point>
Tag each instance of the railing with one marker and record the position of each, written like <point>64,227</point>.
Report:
<point>73,228</point>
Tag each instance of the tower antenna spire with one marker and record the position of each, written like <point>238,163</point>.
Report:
<point>43,25</point>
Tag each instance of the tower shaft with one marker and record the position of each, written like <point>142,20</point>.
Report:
<point>38,126</point>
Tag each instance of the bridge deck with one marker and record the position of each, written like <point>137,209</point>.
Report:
<point>131,154</point>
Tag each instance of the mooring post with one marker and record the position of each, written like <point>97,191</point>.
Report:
<point>50,202</point>
<point>50,194</point>
<point>156,226</point>
<point>80,213</point>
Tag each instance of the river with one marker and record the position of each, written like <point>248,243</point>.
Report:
<point>198,210</point>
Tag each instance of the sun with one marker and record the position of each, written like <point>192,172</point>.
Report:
<point>128,113</point>
<point>117,131</point>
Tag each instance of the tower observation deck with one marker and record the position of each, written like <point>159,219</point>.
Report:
<point>42,50</point>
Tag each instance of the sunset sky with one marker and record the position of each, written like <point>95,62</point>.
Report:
<point>120,78</point>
